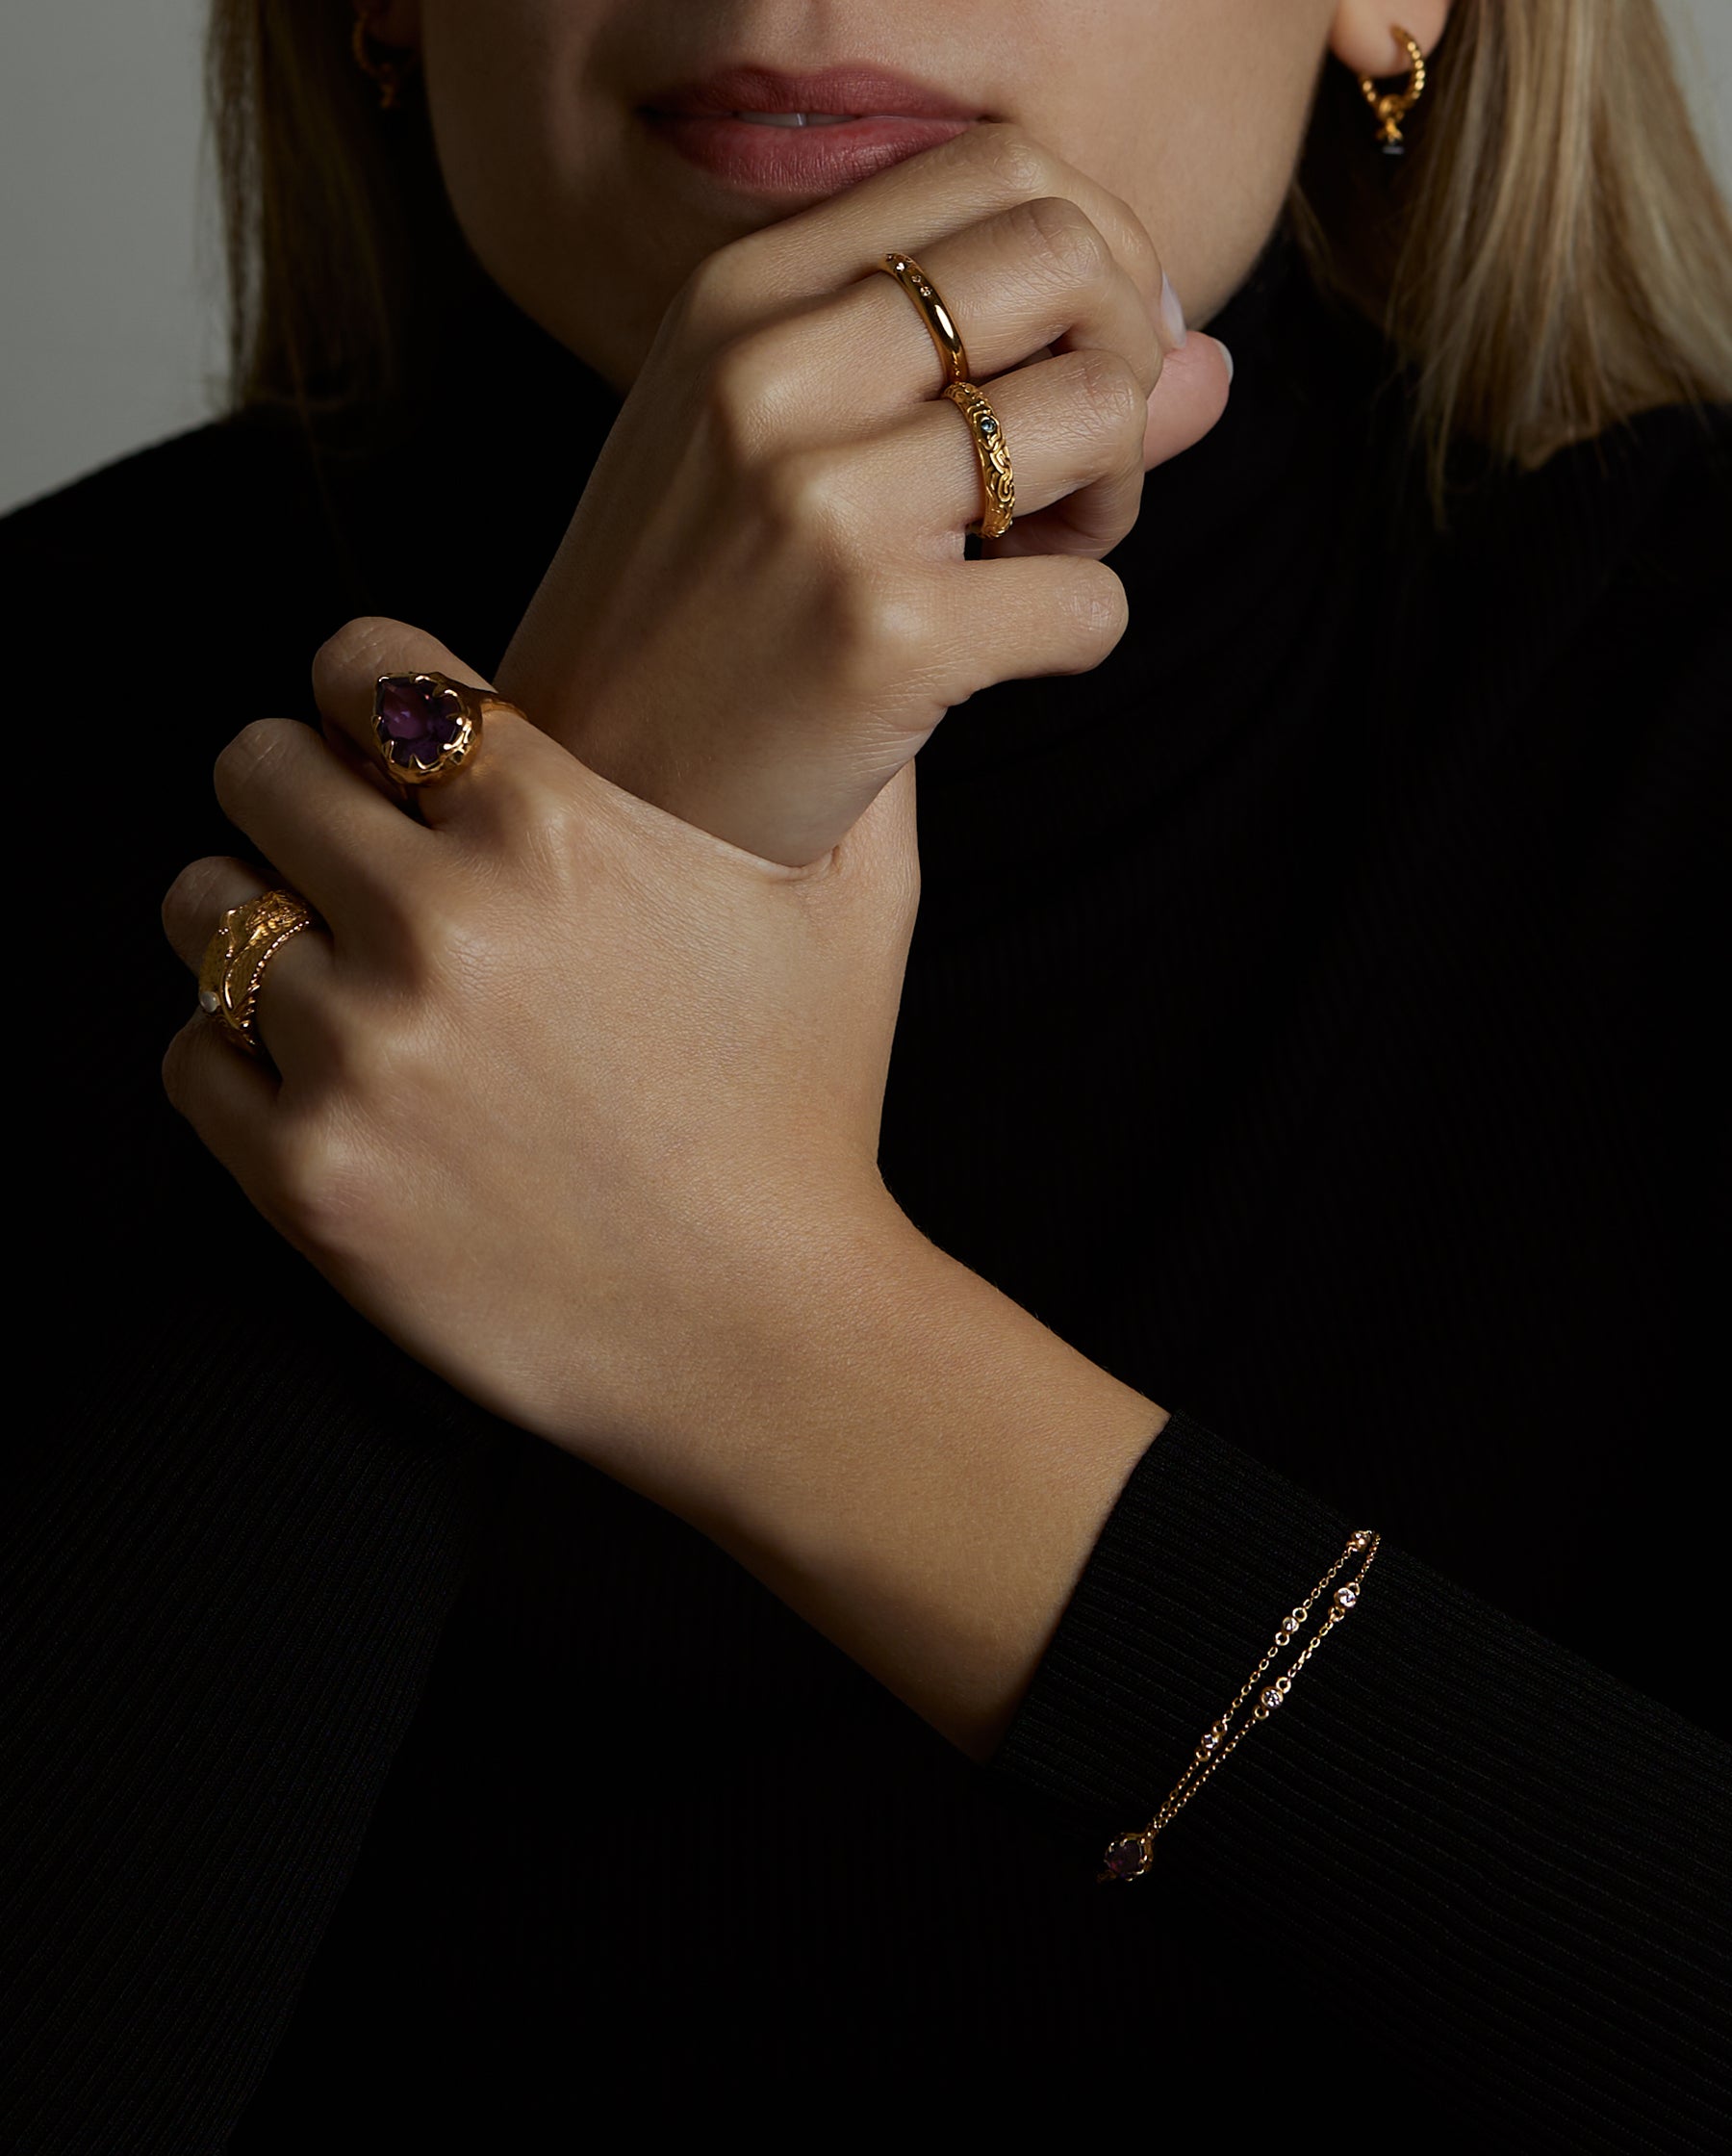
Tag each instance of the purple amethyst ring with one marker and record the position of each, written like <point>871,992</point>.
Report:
<point>427,726</point>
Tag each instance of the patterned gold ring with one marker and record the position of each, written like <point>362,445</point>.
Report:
<point>997,481</point>
<point>248,937</point>
<point>428,727</point>
<point>918,286</point>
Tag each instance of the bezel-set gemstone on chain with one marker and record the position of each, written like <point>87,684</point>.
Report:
<point>1129,1855</point>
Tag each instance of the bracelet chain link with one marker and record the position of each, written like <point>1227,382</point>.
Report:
<point>1129,1855</point>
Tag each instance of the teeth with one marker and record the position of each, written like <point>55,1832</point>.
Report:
<point>798,119</point>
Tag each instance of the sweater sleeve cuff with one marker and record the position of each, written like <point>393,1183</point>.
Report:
<point>1204,1553</point>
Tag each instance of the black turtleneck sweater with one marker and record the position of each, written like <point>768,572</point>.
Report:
<point>1309,1018</point>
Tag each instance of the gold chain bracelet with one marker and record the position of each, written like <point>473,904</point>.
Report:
<point>1129,1856</point>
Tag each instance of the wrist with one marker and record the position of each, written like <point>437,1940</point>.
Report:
<point>927,1471</point>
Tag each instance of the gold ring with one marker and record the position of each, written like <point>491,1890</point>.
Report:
<point>997,480</point>
<point>248,937</point>
<point>918,286</point>
<point>427,727</point>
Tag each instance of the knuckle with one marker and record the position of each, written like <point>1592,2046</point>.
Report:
<point>803,494</point>
<point>875,630</point>
<point>192,897</point>
<point>177,1065</point>
<point>355,646</point>
<point>248,761</point>
<point>431,937</point>
<point>556,823</point>
<point>319,1183</point>
<point>1112,390</point>
<point>557,845</point>
<point>747,385</point>
<point>1137,250</point>
<point>710,304</point>
<point>346,665</point>
<point>1065,237</point>
<point>1097,608</point>
<point>1018,164</point>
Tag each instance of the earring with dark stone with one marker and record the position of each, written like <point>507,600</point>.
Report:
<point>1391,106</point>
<point>388,74</point>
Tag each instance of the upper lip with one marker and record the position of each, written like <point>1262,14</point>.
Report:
<point>849,87</point>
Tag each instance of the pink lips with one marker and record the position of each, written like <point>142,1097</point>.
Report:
<point>898,117</point>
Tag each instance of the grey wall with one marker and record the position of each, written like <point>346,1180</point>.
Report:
<point>109,301</point>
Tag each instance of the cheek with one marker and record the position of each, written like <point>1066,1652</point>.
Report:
<point>534,124</point>
<point>1194,112</point>
<point>504,83</point>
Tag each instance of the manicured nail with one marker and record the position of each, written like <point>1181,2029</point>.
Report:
<point>1228,357</point>
<point>1172,315</point>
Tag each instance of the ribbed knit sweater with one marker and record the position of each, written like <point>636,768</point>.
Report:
<point>1310,1017</point>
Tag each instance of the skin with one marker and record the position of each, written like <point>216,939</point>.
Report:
<point>576,1090</point>
<point>1191,111</point>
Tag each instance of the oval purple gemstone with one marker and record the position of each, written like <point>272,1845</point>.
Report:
<point>1125,1858</point>
<point>415,718</point>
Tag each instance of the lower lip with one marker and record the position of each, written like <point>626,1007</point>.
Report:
<point>797,160</point>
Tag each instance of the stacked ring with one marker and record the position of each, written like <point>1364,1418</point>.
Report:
<point>248,937</point>
<point>428,727</point>
<point>997,481</point>
<point>945,335</point>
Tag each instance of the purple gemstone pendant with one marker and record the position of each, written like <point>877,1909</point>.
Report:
<point>426,725</point>
<point>1125,1859</point>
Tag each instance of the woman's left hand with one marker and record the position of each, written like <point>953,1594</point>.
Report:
<point>576,1102</point>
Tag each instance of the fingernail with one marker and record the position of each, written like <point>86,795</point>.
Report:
<point>1228,357</point>
<point>1172,315</point>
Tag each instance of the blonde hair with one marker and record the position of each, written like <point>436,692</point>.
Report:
<point>1549,259</point>
<point>1553,256</point>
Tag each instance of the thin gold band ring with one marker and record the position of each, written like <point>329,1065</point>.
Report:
<point>945,335</point>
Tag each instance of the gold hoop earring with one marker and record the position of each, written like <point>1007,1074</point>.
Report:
<point>1392,106</point>
<point>388,74</point>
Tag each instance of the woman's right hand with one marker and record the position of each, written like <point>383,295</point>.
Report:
<point>761,608</point>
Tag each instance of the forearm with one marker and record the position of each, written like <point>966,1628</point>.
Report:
<point>931,1471</point>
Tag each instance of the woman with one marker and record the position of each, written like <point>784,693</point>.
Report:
<point>930,1464</point>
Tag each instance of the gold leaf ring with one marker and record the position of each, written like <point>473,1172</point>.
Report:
<point>248,937</point>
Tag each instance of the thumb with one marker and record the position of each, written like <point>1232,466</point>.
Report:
<point>1188,399</point>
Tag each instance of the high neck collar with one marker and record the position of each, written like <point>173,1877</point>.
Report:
<point>1235,578</point>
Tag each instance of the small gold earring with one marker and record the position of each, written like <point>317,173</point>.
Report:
<point>1392,106</point>
<point>387,73</point>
